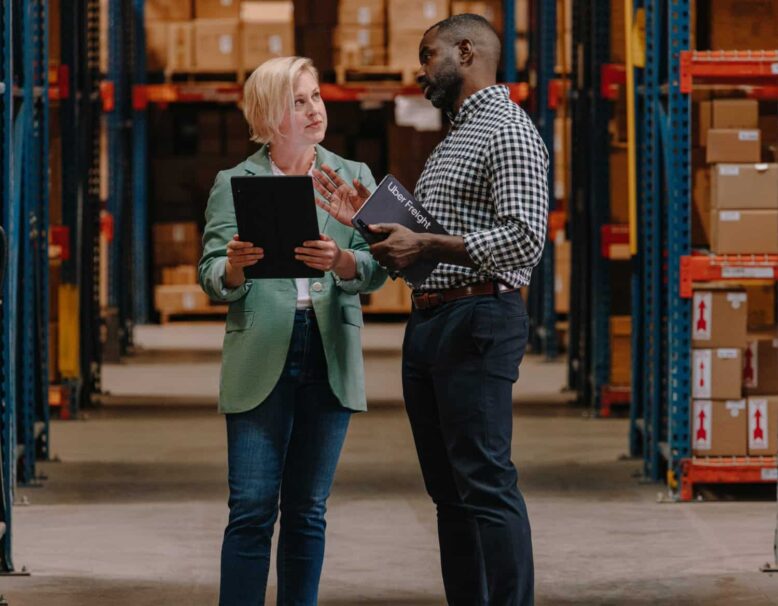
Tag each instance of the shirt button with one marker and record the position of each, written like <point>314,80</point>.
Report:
<point>317,286</point>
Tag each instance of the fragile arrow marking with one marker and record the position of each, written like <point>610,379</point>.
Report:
<point>758,431</point>
<point>702,373</point>
<point>748,367</point>
<point>702,324</point>
<point>702,435</point>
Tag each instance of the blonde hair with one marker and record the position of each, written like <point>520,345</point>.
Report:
<point>268,94</point>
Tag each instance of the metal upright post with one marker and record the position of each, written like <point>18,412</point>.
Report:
<point>140,232</point>
<point>8,343</point>
<point>651,242</point>
<point>509,40</point>
<point>679,239</point>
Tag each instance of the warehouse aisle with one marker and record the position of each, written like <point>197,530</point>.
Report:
<point>133,514</point>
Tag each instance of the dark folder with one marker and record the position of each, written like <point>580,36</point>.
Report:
<point>392,203</point>
<point>277,214</point>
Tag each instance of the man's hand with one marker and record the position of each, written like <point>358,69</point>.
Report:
<point>400,249</point>
<point>340,200</point>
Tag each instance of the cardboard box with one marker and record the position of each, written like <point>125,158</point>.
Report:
<point>491,10</point>
<point>562,269</point>
<point>180,57</point>
<point>393,297</point>
<point>717,374</point>
<point>744,231</point>
<point>216,44</point>
<point>744,186</point>
<point>178,298</point>
<point>719,319</point>
<point>619,187</point>
<point>167,10</point>
<point>176,244</point>
<point>719,428</point>
<point>763,426</point>
<point>216,9</point>
<point>621,350</point>
<point>267,31</point>
<point>179,274</point>
<point>733,145</point>
<point>761,306</point>
<point>404,15</point>
<point>760,367</point>
<point>743,25</point>
<point>362,12</point>
<point>356,57</point>
<point>725,113</point>
<point>359,37</point>
<point>701,206</point>
<point>156,45</point>
<point>404,48</point>
<point>618,45</point>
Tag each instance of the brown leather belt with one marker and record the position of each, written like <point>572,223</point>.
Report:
<point>432,298</point>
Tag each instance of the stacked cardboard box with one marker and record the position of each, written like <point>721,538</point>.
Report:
<point>743,24</point>
<point>735,198</point>
<point>621,350</point>
<point>408,20</point>
<point>734,379</point>
<point>562,269</point>
<point>360,38</point>
<point>216,36</point>
<point>176,254</point>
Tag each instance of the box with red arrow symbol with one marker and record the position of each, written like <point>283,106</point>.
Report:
<point>763,425</point>
<point>720,318</point>
<point>719,428</point>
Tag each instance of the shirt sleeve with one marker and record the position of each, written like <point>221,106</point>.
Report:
<point>517,168</point>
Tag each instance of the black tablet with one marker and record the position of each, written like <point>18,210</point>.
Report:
<point>277,214</point>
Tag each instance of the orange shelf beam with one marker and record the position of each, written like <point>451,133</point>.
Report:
<point>709,268</point>
<point>726,470</point>
<point>749,67</point>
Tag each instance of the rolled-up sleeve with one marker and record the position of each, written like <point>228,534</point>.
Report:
<point>517,168</point>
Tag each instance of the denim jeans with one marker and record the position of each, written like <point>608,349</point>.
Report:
<point>283,451</point>
<point>459,363</point>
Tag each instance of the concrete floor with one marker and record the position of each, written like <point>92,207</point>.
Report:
<point>133,513</point>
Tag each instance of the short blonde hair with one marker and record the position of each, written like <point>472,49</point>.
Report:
<point>268,94</point>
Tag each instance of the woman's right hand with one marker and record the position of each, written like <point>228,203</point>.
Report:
<point>239,256</point>
<point>342,200</point>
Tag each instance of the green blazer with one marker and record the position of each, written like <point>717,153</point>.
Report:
<point>261,312</point>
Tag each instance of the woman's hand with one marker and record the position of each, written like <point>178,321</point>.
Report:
<point>325,255</point>
<point>239,256</point>
<point>341,200</point>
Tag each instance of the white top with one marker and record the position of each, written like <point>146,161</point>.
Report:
<point>303,293</point>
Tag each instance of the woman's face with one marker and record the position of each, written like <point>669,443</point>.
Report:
<point>307,124</point>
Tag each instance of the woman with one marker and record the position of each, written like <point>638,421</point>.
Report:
<point>292,370</point>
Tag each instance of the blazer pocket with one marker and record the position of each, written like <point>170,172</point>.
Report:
<point>352,315</point>
<point>239,320</point>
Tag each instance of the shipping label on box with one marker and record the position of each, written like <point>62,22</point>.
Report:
<point>733,145</point>
<point>716,374</point>
<point>744,186</point>
<point>263,41</point>
<point>719,319</point>
<point>760,367</point>
<point>763,426</point>
<point>719,427</point>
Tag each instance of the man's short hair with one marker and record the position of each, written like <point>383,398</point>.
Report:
<point>268,94</point>
<point>467,25</point>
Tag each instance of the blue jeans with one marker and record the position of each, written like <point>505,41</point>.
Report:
<point>284,450</point>
<point>460,361</point>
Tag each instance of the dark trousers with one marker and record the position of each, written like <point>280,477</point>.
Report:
<point>459,362</point>
<point>283,452</point>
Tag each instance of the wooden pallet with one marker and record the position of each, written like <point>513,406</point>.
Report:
<point>375,74</point>
<point>211,310</point>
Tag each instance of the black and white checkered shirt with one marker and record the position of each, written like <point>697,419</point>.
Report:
<point>488,182</point>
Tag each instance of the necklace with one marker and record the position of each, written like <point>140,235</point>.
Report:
<point>274,165</point>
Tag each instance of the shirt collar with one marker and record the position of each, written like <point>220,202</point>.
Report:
<point>478,100</point>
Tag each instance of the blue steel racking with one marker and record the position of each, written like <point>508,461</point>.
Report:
<point>25,420</point>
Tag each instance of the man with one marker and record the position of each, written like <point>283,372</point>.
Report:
<point>486,183</point>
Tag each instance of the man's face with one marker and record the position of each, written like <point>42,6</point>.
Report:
<point>439,76</point>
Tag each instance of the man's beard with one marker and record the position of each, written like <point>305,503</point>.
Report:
<point>444,90</point>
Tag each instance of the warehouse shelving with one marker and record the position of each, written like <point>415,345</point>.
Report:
<point>667,267</point>
<point>24,423</point>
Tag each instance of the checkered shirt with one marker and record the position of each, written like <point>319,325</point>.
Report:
<point>488,182</point>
